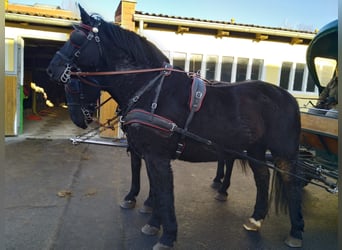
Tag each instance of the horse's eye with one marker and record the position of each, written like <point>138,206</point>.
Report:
<point>77,38</point>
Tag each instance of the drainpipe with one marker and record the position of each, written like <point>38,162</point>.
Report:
<point>141,28</point>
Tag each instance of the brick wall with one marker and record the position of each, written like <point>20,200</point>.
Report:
<point>124,14</point>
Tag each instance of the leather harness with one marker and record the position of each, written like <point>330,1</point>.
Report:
<point>150,119</point>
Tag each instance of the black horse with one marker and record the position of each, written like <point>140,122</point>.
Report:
<point>82,100</point>
<point>166,117</point>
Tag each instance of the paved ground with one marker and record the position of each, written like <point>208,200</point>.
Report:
<point>98,177</point>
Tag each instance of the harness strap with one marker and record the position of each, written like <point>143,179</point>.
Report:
<point>158,89</point>
<point>197,94</point>
<point>198,91</point>
<point>141,91</point>
<point>93,33</point>
<point>163,124</point>
<point>166,72</point>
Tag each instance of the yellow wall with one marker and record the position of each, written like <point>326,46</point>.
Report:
<point>10,88</point>
<point>10,104</point>
<point>272,73</point>
<point>9,55</point>
<point>107,112</point>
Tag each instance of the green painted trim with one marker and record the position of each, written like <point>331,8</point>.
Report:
<point>21,118</point>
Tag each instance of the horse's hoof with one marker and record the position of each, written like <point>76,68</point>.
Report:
<point>293,242</point>
<point>221,197</point>
<point>149,230</point>
<point>127,204</point>
<point>145,210</point>
<point>216,185</point>
<point>252,224</point>
<point>160,246</point>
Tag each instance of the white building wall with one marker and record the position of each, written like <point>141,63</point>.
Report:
<point>272,53</point>
<point>210,45</point>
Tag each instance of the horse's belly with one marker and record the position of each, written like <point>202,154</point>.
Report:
<point>198,156</point>
<point>145,140</point>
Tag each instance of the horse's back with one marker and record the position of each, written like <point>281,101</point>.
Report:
<point>254,95</point>
<point>252,112</point>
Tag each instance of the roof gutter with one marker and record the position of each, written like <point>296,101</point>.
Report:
<point>221,26</point>
<point>39,20</point>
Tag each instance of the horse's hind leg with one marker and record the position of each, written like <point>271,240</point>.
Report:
<point>289,189</point>
<point>261,177</point>
<point>222,192</point>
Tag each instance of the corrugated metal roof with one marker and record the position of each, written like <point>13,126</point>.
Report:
<point>221,22</point>
<point>57,13</point>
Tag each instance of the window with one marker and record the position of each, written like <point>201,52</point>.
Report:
<point>241,69</point>
<point>211,67</point>
<point>298,78</point>
<point>256,69</point>
<point>285,75</point>
<point>195,63</point>
<point>179,60</point>
<point>310,85</point>
<point>226,68</point>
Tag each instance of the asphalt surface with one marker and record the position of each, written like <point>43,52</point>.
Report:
<point>65,196</point>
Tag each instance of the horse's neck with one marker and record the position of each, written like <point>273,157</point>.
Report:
<point>127,87</point>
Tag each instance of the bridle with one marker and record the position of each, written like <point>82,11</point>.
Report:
<point>92,33</point>
<point>75,88</point>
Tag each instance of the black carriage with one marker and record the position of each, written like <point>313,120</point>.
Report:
<point>319,135</point>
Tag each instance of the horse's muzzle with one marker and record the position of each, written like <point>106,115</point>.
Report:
<point>59,74</point>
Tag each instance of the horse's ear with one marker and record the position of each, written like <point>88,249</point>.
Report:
<point>84,15</point>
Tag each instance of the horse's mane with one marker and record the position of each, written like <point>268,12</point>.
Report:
<point>138,48</point>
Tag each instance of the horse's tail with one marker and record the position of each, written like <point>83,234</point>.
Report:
<point>243,164</point>
<point>287,180</point>
<point>278,193</point>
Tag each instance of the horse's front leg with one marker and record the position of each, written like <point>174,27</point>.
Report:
<point>148,203</point>
<point>129,200</point>
<point>217,183</point>
<point>163,213</point>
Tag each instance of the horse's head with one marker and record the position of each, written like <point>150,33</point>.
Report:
<point>82,101</point>
<point>82,51</point>
<point>96,45</point>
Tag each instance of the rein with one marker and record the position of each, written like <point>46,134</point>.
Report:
<point>123,72</point>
